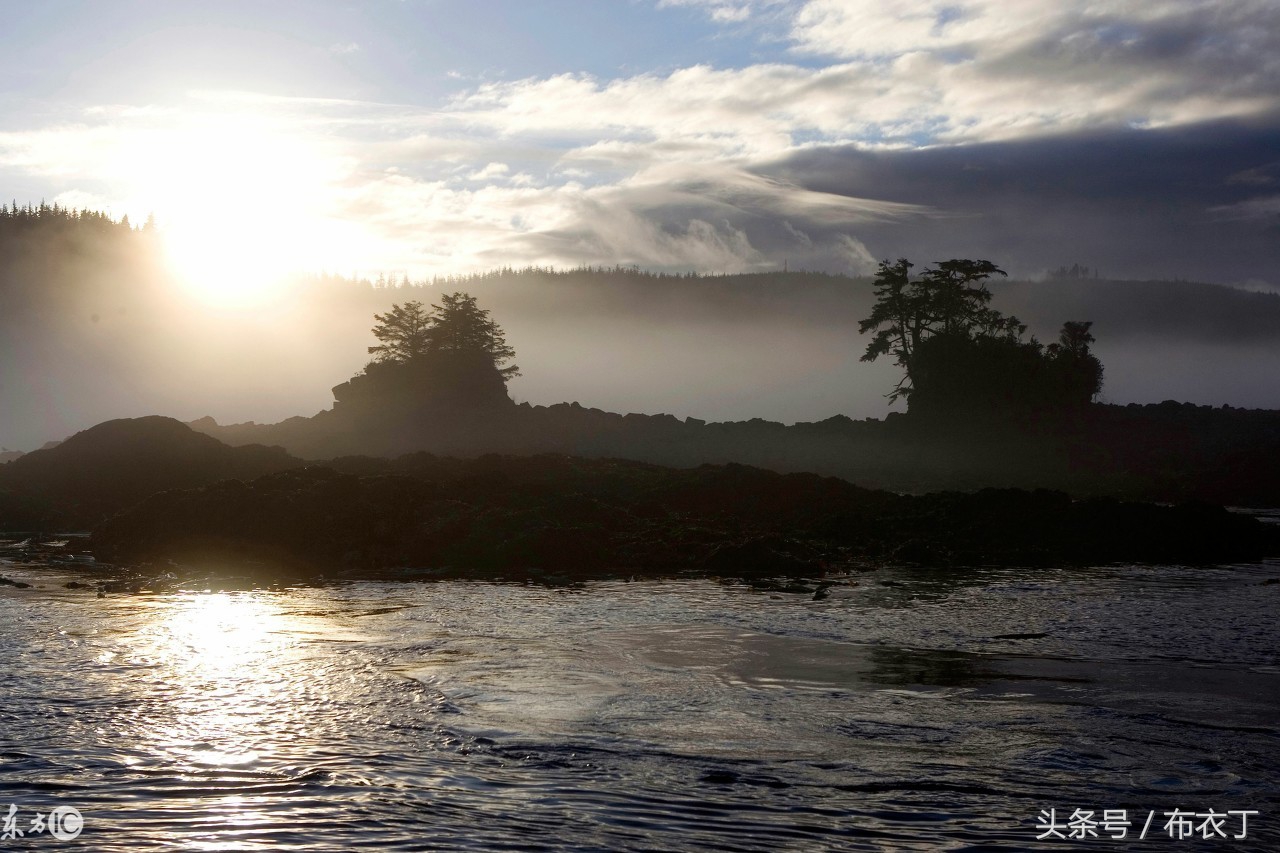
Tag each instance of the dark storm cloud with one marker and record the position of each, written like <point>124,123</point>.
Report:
<point>1199,202</point>
<point>1218,50</point>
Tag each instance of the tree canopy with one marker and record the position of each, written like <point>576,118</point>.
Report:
<point>951,299</point>
<point>457,328</point>
<point>957,352</point>
<point>404,332</point>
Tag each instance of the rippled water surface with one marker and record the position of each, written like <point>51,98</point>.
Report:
<point>893,715</point>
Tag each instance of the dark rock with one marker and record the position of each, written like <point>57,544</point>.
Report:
<point>764,557</point>
<point>102,470</point>
<point>573,518</point>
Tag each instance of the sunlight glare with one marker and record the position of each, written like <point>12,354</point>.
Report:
<point>241,203</point>
<point>221,631</point>
<point>224,654</point>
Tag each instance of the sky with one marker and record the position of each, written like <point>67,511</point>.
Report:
<point>429,137</point>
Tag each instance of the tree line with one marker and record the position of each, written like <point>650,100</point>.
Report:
<point>16,219</point>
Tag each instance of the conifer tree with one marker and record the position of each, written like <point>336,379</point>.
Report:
<point>405,332</point>
<point>457,328</point>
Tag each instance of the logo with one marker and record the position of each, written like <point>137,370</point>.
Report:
<point>65,823</point>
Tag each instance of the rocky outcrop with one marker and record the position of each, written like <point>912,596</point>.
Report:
<point>106,468</point>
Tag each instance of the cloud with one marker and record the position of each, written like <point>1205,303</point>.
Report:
<point>921,72</point>
<point>344,49</point>
<point>802,239</point>
<point>679,217</point>
<point>1005,68</point>
<point>606,234</point>
<point>1264,208</point>
<point>721,11</point>
<point>1133,203</point>
<point>1023,130</point>
<point>488,188</point>
<point>489,172</point>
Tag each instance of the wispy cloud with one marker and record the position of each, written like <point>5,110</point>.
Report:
<point>669,169</point>
<point>721,11</point>
<point>490,172</point>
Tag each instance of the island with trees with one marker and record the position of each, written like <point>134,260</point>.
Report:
<point>429,469</point>
<point>987,406</point>
<point>960,357</point>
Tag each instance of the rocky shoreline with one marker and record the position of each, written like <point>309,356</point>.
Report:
<point>552,517</point>
<point>211,509</point>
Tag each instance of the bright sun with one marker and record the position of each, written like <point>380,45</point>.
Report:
<point>241,204</point>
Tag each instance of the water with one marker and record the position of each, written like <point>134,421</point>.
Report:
<point>642,716</point>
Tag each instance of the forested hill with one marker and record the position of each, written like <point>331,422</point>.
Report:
<point>57,263</point>
<point>54,260</point>
<point>93,326</point>
<point>1192,311</point>
<point>78,291</point>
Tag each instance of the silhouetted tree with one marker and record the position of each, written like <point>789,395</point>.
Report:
<point>960,354</point>
<point>448,359</point>
<point>898,319</point>
<point>459,326</point>
<point>1072,272</point>
<point>405,332</point>
<point>1079,372</point>
<point>950,300</point>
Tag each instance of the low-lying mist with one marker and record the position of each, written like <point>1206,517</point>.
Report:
<point>93,326</point>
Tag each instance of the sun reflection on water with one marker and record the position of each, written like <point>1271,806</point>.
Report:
<point>221,631</point>
<point>224,711</point>
<point>224,659</point>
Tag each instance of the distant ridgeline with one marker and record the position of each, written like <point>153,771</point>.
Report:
<point>102,281</point>
<point>81,263</point>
